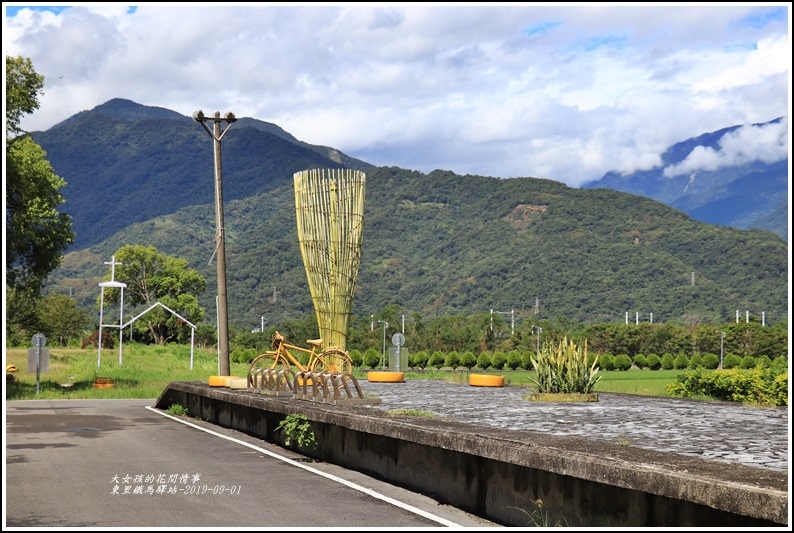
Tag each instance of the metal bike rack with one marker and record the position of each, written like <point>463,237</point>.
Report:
<point>329,387</point>
<point>271,381</point>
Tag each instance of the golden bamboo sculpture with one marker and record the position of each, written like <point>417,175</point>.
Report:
<point>329,205</point>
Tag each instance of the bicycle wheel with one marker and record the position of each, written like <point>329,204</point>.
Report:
<point>332,360</point>
<point>269,360</point>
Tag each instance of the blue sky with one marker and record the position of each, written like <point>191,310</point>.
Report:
<point>559,91</point>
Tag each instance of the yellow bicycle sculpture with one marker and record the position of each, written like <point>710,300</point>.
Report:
<point>330,360</point>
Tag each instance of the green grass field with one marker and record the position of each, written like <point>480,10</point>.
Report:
<point>147,370</point>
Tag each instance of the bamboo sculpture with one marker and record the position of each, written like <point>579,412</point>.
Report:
<point>329,205</point>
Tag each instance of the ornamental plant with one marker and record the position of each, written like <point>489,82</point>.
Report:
<point>564,368</point>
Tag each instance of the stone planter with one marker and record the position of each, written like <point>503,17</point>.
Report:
<point>561,397</point>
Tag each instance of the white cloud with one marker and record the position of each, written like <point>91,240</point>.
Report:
<point>565,92</point>
<point>749,143</point>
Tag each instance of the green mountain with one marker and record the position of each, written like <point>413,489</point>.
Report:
<point>748,194</point>
<point>434,244</point>
<point>125,163</point>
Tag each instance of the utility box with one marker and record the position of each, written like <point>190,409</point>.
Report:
<point>398,364</point>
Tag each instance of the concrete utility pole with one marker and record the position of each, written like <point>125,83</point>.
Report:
<point>220,245</point>
<point>385,325</point>
<point>722,343</point>
<point>539,330</point>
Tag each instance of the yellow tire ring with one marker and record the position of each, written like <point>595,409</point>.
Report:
<point>103,383</point>
<point>238,383</point>
<point>216,381</point>
<point>483,380</point>
<point>386,377</point>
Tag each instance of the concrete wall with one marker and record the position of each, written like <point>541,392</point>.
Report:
<point>500,475</point>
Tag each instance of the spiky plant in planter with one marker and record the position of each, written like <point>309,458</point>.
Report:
<point>563,368</point>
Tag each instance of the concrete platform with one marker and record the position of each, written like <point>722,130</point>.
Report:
<point>622,461</point>
<point>727,432</point>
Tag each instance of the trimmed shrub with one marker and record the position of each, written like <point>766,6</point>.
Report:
<point>605,362</point>
<point>372,358</point>
<point>640,362</point>
<point>731,361</point>
<point>356,357</point>
<point>668,363</point>
<point>622,362</point>
<point>499,360</point>
<point>526,361</point>
<point>418,359</point>
<point>747,362</point>
<point>696,361</point>
<point>764,361</point>
<point>468,360</point>
<point>237,355</point>
<point>452,359</point>
<point>484,361</point>
<point>680,362</point>
<point>513,359</point>
<point>711,361</point>
<point>756,386</point>
<point>437,360</point>
<point>653,361</point>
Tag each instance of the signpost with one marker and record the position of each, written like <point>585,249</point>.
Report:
<point>38,342</point>
<point>398,339</point>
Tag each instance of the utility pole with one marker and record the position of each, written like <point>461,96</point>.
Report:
<point>722,342</point>
<point>220,244</point>
<point>539,330</point>
<point>385,325</point>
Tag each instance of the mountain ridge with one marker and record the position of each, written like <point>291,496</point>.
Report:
<point>752,194</point>
<point>433,243</point>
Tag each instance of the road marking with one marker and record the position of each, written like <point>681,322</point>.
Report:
<point>350,484</point>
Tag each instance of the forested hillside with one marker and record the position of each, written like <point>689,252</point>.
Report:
<point>125,163</point>
<point>444,244</point>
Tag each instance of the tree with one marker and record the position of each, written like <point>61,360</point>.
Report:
<point>61,319</point>
<point>21,319</point>
<point>23,85</point>
<point>36,233</point>
<point>153,277</point>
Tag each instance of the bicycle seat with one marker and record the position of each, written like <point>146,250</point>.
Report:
<point>315,342</point>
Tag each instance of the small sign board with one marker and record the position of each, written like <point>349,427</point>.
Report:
<point>398,359</point>
<point>398,339</point>
<point>38,356</point>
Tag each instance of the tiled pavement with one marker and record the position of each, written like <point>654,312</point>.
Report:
<point>720,431</point>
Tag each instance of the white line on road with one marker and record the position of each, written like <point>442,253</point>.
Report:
<point>350,484</point>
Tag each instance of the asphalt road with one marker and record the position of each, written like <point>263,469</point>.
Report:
<point>124,464</point>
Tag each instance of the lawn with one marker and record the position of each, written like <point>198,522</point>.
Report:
<point>146,371</point>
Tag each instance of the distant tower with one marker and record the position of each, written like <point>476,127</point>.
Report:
<point>329,206</point>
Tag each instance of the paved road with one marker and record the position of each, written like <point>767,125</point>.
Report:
<point>122,463</point>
